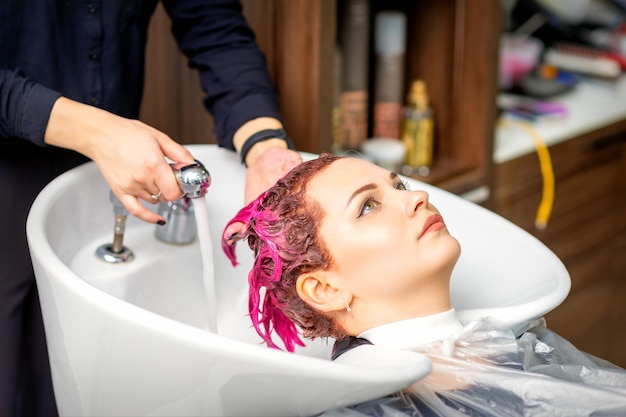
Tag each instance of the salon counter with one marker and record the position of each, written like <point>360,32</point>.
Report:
<point>587,227</point>
<point>591,105</point>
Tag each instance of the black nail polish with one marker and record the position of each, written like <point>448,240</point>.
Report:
<point>161,222</point>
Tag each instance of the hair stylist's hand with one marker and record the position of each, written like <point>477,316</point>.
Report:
<point>263,172</point>
<point>130,154</point>
<point>268,168</point>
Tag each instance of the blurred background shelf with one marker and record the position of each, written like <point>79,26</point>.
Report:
<point>448,45</point>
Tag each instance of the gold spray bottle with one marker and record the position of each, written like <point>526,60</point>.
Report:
<point>417,130</point>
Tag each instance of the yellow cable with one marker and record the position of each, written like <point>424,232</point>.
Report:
<point>547,173</point>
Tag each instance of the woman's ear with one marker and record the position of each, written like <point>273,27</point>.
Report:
<point>317,290</point>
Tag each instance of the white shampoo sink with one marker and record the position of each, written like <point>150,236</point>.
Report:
<point>132,339</point>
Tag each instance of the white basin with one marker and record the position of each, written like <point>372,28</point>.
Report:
<point>132,339</point>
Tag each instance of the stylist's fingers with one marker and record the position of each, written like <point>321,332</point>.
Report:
<point>144,158</point>
<point>233,233</point>
<point>268,168</point>
<point>174,151</point>
<point>135,208</point>
<point>165,180</point>
<point>165,184</point>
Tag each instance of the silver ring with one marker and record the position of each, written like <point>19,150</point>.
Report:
<point>156,196</point>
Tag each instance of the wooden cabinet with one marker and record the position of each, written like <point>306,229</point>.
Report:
<point>587,230</point>
<point>451,44</point>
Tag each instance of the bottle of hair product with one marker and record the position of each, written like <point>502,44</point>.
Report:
<point>390,47</point>
<point>417,130</point>
<point>353,34</point>
<point>336,114</point>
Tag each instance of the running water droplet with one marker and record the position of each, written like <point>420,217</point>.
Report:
<point>206,255</point>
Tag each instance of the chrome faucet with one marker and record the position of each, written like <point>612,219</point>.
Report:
<point>116,252</point>
<point>180,227</point>
<point>193,179</point>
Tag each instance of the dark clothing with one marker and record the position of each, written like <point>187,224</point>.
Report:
<point>342,346</point>
<point>92,51</point>
<point>25,384</point>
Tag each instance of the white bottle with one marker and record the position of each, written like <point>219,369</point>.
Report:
<point>389,48</point>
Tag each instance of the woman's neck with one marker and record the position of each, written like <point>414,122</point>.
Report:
<point>367,313</point>
<point>429,296</point>
<point>414,332</point>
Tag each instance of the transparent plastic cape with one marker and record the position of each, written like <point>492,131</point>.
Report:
<point>488,371</point>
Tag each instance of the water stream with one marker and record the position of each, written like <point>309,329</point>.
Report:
<point>206,255</point>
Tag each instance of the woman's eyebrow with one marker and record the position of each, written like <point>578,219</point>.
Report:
<point>372,186</point>
<point>360,190</point>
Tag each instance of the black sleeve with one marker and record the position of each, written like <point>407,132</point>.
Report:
<point>25,107</point>
<point>217,40</point>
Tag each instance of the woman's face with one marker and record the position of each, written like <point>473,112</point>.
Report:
<point>388,244</point>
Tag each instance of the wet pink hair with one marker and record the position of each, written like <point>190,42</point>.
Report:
<point>281,229</point>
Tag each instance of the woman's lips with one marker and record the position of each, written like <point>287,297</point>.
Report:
<point>432,224</point>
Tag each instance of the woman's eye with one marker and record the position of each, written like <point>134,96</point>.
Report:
<point>402,186</point>
<point>367,206</point>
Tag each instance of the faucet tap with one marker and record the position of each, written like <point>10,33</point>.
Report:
<point>116,252</point>
<point>193,179</point>
<point>180,227</point>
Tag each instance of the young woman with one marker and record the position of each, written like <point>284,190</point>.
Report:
<point>344,250</point>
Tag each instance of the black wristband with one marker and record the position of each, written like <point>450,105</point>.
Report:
<point>260,137</point>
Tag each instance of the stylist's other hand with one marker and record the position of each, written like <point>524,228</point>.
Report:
<point>268,168</point>
<point>130,154</point>
<point>263,172</point>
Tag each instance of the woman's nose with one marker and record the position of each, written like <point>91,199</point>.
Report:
<point>415,201</point>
